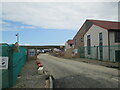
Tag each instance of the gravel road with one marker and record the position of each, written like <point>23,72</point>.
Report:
<point>73,74</point>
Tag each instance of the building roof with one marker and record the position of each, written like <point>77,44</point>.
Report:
<point>70,41</point>
<point>106,24</point>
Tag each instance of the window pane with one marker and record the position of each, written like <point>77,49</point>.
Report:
<point>117,36</point>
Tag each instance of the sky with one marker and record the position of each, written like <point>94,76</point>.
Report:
<point>50,23</point>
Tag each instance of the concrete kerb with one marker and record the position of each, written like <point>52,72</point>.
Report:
<point>50,80</point>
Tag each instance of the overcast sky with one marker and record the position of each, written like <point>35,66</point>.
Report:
<point>21,16</point>
<point>60,15</point>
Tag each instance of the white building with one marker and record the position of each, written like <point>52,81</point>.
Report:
<point>69,44</point>
<point>102,41</point>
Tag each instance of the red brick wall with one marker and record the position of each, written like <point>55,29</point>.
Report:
<point>80,34</point>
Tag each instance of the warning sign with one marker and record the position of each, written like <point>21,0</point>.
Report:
<point>3,62</point>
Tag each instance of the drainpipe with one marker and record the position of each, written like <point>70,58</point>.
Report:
<point>108,46</point>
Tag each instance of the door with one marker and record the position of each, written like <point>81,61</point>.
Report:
<point>117,55</point>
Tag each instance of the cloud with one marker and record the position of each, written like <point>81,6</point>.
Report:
<point>59,0</point>
<point>28,27</point>
<point>14,26</point>
<point>26,44</point>
<point>62,15</point>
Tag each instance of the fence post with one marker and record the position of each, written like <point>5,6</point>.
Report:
<point>35,53</point>
<point>97,52</point>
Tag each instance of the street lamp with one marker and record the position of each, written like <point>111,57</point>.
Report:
<point>17,35</point>
<point>16,45</point>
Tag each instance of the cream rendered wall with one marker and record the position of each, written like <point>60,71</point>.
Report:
<point>114,46</point>
<point>67,46</point>
<point>94,35</point>
<point>112,38</point>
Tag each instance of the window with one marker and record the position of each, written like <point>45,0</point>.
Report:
<point>100,36</point>
<point>100,39</point>
<point>81,39</point>
<point>70,45</point>
<point>88,45</point>
<point>117,37</point>
<point>101,46</point>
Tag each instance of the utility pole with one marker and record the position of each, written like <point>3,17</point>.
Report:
<point>17,35</point>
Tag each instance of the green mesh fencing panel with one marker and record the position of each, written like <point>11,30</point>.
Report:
<point>19,59</point>
<point>15,64</point>
<point>81,52</point>
<point>103,53</point>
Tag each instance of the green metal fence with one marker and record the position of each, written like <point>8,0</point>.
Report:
<point>16,60</point>
<point>105,53</point>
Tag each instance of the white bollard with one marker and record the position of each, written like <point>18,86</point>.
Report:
<point>40,70</point>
